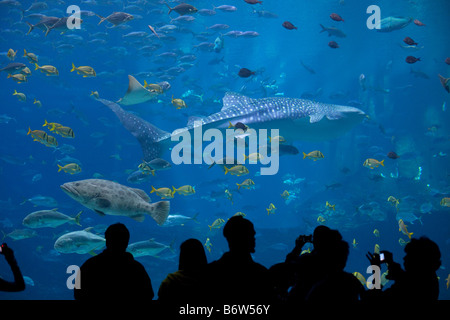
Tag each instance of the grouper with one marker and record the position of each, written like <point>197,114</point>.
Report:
<point>108,197</point>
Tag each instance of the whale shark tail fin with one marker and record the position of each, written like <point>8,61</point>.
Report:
<point>148,135</point>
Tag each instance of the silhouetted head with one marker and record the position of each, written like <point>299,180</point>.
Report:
<point>240,235</point>
<point>117,237</point>
<point>192,255</point>
<point>422,255</point>
<point>324,237</point>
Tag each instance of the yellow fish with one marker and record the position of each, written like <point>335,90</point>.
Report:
<point>253,157</point>
<point>373,163</point>
<point>330,206</point>
<point>11,54</point>
<point>37,134</point>
<point>247,184</point>
<point>26,71</point>
<point>216,224</point>
<point>238,170</point>
<point>354,243</point>
<point>445,202</point>
<point>402,227</point>
<point>18,77</point>
<point>66,132</point>
<point>50,141</point>
<point>360,277</point>
<point>305,251</point>
<point>376,249</point>
<point>85,71</point>
<point>280,139</point>
<point>448,281</point>
<point>376,233</point>
<point>153,87</point>
<point>38,103</point>
<point>208,245</point>
<point>239,214</point>
<point>21,96</point>
<point>48,70</point>
<point>180,104</point>
<point>51,125</point>
<point>285,195</point>
<point>164,193</point>
<point>321,219</point>
<point>394,201</point>
<point>30,56</point>
<point>402,242</point>
<point>71,168</point>
<point>314,155</point>
<point>271,209</point>
<point>95,94</point>
<point>229,195</point>
<point>184,190</point>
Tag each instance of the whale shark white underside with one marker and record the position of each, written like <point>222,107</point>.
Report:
<point>296,119</point>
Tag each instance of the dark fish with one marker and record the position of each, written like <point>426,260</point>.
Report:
<point>43,23</point>
<point>245,73</point>
<point>445,82</point>
<point>253,1</point>
<point>333,44</point>
<point>240,125</point>
<point>333,186</point>
<point>61,24</point>
<point>392,155</point>
<point>289,25</point>
<point>333,32</point>
<point>182,9</point>
<point>116,18</point>
<point>13,67</point>
<point>411,59</point>
<point>410,41</point>
<point>447,61</point>
<point>286,149</point>
<point>336,17</point>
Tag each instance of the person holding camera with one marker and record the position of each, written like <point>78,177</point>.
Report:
<point>310,268</point>
<point>418,281</point>
<point>18,284</point>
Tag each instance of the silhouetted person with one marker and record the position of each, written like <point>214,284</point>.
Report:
<point>185,285</point>
<point>418,282</point>
<point>114,274</point>
<point>235,276</point>
<point>337,284</point>
<point>310,268</point>
<point>18,284</point>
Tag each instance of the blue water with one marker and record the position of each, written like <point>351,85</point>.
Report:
<point>406,116</point>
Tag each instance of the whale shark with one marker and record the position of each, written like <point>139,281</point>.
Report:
<point>136,93</point>
<point>296,119</point>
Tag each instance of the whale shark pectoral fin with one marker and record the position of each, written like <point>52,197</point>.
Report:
<point>136,93</point>
<point>316,117</point>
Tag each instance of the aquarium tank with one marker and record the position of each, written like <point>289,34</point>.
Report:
<point>172,117</point>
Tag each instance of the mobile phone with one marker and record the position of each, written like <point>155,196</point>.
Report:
<point>382,257</point>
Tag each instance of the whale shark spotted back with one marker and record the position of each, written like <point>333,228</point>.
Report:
<point>296,119</point>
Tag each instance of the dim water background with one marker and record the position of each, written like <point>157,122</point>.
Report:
<point>407,115</point>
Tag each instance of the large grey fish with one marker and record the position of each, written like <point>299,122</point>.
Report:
<point>148,248</point>
<point>79,242</point>
<point>108,197</point>
<point>49,218</point>
<point>296,119</point>
<point>392,23</point>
